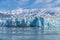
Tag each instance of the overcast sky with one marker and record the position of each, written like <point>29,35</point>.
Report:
<point>28,4</point>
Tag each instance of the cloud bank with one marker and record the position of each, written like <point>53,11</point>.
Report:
<point>28,4</point>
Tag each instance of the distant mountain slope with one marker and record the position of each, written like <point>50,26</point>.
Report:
<point>31,13</point>
<point>5,15</point>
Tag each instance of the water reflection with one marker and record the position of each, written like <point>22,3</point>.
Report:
<point>28,34</point>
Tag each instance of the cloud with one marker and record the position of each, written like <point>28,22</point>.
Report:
<point>58,1</point>
<point>46,4</point>
<point>48,1</point>
<point>14,4</point>
<point>38,1</point>
<point>24,0</point>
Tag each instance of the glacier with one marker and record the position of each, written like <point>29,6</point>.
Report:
<point>30,18</point>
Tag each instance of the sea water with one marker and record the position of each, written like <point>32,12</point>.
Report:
<point>30,33</point>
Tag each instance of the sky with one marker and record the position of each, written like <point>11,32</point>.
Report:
<point>28,4</point>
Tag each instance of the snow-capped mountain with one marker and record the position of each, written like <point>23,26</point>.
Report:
<point>30,12</point>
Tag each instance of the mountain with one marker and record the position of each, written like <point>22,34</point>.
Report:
<point>30,13</point>
<point>2,15</point>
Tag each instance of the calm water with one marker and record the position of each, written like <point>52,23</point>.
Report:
<point>29,33</point>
